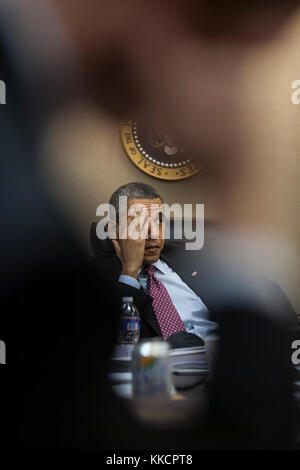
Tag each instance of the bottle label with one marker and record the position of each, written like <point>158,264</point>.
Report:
<point>130,324</point>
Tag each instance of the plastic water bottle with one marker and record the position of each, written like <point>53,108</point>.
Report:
<point>130,322</point>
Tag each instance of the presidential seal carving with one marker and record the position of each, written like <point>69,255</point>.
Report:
<point>156,152</point>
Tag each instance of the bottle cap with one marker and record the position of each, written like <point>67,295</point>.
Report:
<point>127,299</point>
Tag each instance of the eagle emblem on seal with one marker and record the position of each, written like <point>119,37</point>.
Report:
<point>155,151</point>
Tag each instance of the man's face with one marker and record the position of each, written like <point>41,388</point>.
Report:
<point>155,241</point>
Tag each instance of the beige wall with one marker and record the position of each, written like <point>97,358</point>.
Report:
<point>88,163</point>
<point>84,160</point>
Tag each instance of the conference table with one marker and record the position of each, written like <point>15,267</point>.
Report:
<point>190,380</point>
<point>189,398</point>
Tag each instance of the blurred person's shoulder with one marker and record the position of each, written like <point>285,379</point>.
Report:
<point>240,261</point>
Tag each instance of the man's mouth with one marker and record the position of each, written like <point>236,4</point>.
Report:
<point>152,248</point>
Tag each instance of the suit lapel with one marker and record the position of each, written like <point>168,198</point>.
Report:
<point>147,314</point>
<point>149,317</point>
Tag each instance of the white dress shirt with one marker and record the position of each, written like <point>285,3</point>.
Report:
<point>193,312</point>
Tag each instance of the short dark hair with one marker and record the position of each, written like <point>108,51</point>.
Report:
<point>133,190</point>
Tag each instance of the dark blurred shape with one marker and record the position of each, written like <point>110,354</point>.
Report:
<point>54,391</point>
<point>235,19</point>
<point>57,321</point>
<point>251,401</point>
<point>117,43</point>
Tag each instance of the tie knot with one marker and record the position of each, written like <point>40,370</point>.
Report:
<point>148,269</point>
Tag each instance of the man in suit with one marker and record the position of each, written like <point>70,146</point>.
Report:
<point>177,292</point>
<point>169,298</point>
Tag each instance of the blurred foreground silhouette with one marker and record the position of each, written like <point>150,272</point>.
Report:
<point>56,320</point>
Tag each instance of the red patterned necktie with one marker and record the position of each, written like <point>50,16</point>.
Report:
<point>168,318</point>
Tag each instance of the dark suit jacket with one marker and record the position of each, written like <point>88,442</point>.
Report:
<point>214,284</point>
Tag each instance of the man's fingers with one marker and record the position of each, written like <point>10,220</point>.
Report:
<point>144,223</point>
<point>138,226</point>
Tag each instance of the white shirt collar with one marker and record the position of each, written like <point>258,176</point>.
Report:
<point>160,265</point>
